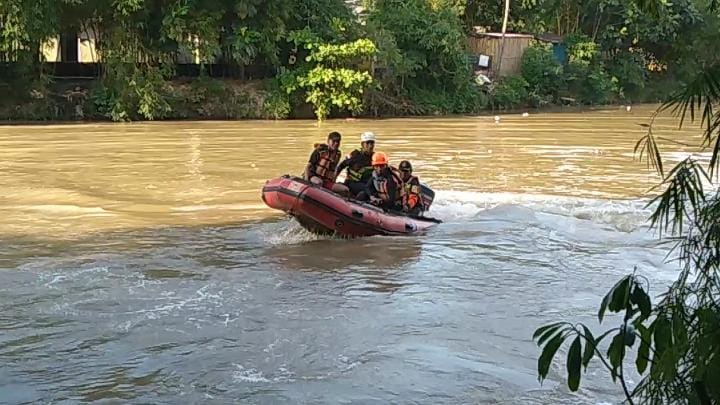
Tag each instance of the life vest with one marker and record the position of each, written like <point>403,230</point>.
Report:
<point>381,185</point>
<point>359,167</point>
<point>411,193</point>
<point>325,167</point>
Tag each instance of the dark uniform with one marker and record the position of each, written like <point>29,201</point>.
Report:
<point>388,187</point>
<point>359,171</point>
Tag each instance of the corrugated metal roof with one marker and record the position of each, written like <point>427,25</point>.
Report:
<point>499,35</point>
<point>549,37</point>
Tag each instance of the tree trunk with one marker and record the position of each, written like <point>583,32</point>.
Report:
<point>502,39</point>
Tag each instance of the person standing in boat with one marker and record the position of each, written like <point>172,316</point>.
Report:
<point>412,200</point>
<point>385,188</point>
<point>359,166</point>
<point>320,169</point>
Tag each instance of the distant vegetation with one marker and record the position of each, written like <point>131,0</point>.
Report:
<point>396,57</point>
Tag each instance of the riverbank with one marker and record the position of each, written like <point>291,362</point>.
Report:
<point>198,99</point>
<point>73,101</point>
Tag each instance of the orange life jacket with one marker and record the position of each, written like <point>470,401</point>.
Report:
<point>381,185</point>
<point>327,163</point>
<point>411,193</point>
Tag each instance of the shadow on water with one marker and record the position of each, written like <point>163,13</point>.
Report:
<point>374,253</point>
<point>368,265</point>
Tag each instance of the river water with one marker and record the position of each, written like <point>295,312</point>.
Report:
<point>138,263</point>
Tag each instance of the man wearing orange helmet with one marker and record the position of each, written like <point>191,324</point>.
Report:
<point>385,187</point>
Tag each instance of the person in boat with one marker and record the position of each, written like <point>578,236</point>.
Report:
<point>359,166</point>
<point>412,200</point>
<point>323,161</point>
<point>385,187</point>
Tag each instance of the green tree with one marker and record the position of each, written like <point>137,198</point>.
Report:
<point>327,77</point>
<point>430,41</point>
<point>541,71</point>
<point>422,56</point>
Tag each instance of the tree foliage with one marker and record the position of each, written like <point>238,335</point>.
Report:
<point>422,55</point>
<point>420,65</point>
<point>635,45</point>
<point>326,77</point>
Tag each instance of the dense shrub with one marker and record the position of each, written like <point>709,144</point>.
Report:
<point>509,92</point>
<point>541,71</point>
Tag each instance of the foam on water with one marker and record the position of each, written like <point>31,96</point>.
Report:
<point>248,375</point>
<point>623,215</point>
<point>702,157</point>
<point>287,232</point>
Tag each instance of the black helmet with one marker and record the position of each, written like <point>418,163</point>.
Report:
<point>405,166</point>
<point>334,136</point>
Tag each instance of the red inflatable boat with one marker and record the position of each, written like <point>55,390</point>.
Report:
<point>323,212</point>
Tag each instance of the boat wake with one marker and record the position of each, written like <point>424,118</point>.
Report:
<point>461,206</point>
<point>462,210</point>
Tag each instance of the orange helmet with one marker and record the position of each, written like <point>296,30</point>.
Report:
<point>379,158</point>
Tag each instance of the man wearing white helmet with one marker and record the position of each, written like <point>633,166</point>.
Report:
<point>367,136</point>
<point>359,165</point>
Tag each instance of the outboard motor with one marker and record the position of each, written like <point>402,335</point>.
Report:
<point>427,195</point>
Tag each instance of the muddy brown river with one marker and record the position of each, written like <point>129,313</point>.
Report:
<point>138,263</point>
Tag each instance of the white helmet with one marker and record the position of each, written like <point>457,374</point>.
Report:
<point>367,136</point>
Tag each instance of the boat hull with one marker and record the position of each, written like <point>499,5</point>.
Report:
<point>323,212</point>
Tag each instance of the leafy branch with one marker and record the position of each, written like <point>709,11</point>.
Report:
<point>628,296</point>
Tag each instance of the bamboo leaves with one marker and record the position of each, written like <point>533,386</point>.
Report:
<point>627,296</point>
<point>684,185</point>
<point>573,364</point>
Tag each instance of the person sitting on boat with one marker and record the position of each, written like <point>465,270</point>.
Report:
<point>412,200</point>
<point>385,186</point>
<point>323,160</point>
<point>358,165</point>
